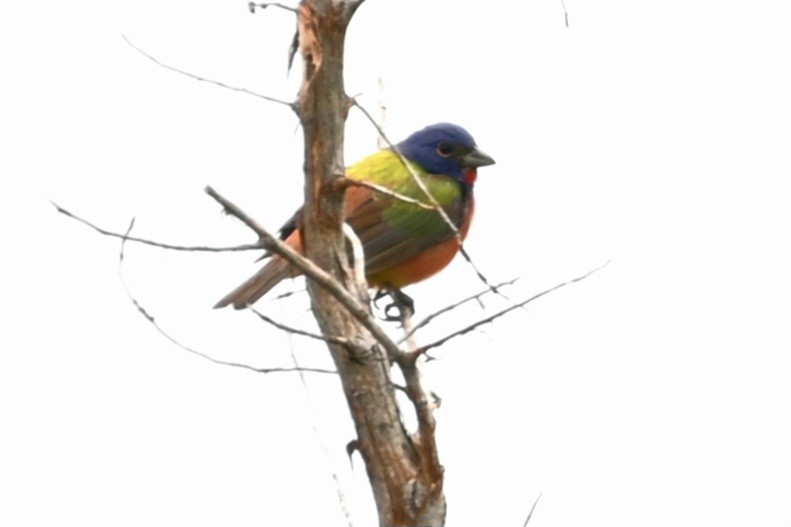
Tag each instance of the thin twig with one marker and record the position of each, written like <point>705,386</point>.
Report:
<point>533,508</point>
<point>478,272</point>
<point>302,333</point>
<point>380,142</point>
<point>343,181</point>
<point>263,235</point>
<point>505,311</point>
<point>333,469</point>
<point>565,13</point>
<point>156,61</point>
<point>153,322</point>
<point>425,321</point>
<point>264,5</point>
<point>313,272</point>
<point>105,232</point>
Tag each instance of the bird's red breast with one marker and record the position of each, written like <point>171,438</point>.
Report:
<point>426,263</point>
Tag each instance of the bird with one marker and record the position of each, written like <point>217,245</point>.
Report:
<point>402,242</point>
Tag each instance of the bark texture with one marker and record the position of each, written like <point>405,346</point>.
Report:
<point>404,471</point>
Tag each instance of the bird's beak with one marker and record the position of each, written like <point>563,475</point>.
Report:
<point>476,158</point>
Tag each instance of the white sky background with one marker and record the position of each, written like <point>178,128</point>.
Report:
<point>654,134</point>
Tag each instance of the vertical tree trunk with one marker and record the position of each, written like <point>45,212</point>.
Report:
<point>406,493</point>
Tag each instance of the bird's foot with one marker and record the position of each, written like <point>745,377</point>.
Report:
<point>401,304</point>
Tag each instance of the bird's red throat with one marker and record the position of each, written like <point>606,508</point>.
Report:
<point>469,175</point>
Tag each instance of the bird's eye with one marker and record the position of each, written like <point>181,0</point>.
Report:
<point>445,149</point>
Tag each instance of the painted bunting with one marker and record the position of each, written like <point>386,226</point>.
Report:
<point>403,243</point>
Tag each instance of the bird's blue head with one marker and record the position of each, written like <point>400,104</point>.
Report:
<point>445,148</point>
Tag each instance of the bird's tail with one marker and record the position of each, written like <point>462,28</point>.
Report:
<point>259,284</point>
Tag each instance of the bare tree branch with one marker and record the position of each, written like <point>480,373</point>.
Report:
<point>505,311</point>
<point>165,334</point>
<point>264,236</point>
<point>105,232</point>
<point>265,242</point>
<point>410,365</point>
<point>312,271</point>
<point>210,81</point>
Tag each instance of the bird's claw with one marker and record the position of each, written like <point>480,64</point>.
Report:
<point>389,316</point>
<point>394,311</point>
